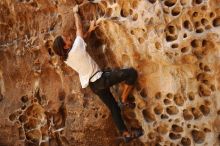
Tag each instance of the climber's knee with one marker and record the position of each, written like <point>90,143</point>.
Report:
<point>132,76</point>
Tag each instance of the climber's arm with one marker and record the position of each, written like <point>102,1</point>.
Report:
<point>92,27</point>
<point>78,22</point>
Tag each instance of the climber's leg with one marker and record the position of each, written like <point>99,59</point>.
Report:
<point>106,96</point>
<point>112,77</point>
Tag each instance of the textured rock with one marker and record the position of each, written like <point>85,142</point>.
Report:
<point>173,44</point>
<point>198,136</point>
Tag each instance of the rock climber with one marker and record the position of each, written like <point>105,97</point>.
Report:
<point>74,54</point>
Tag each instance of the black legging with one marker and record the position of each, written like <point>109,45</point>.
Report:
<point>101,87</point>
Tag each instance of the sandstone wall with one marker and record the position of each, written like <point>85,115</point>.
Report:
<point>174,45</point>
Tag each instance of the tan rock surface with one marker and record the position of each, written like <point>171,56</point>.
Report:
<point>174,45</point>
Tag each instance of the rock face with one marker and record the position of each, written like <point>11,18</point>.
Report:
<point>173,44</point>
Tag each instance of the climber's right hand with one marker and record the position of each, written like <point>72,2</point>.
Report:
<point>76,9</point>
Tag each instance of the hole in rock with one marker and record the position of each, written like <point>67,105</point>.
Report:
<point>164,116</point>
<point>184,35</point>
<point>204,21</point>
<point>204,8</point>
<point>208,27</point>
<point>124,13</point>
<point>204,109</point>
<point>108,12</point>
<point>187,25</point>
<point>50,52</point>
<point>195,43</point>
<point>130,11</point>
<point>158,95</point>
<point>24,99</point>
<point>171,38</point>
<point>23,107</point>
<point>166,101</point>
<point>206,130</point>
<point>171,29</point>
<point>201,66</point>
<point>198,136</point>
<point>152,1</point>
<point>166,10</point>
<point>34,4</point>
<point>218,112</point>
<point>158,110</point>
<point>157,45</point>
<point>140,40</point>
<point>213,88</point>
<point>132,32</point>
<point>184,49</point>
<point>183,2</point>
<point>135,17</point>
<point>170,95</point>
<point>195,14</point>
<point>177,128</point>
<point>174,45</point>
<point>211,14</point>
<point>216,22</point>
<point>185,141</point>
<point>176,11</point>
<point>204,43</point>
<point>148,116</point>
<point>170,3</point>
<point>200,30</point>
<point>172,110</point>
<point>198,1</point>
<point>174,136</point>
<point>143,93</point>
<point>206,68</point>
<point>197,24</point>
<point>12,117</point>
<point>23,118</point>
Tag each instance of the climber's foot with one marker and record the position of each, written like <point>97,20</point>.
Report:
<point>128,137</point>
<point>126,105</point>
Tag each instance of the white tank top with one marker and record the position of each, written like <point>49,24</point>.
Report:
<point>82,63</point>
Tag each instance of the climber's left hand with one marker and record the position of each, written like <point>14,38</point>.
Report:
<point>92,26</point>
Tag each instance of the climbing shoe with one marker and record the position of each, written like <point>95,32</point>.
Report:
<point>134,135</point>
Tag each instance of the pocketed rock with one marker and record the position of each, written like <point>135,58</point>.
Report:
<point>172,110</point>
<point>177,128</point>
<point>191,96</point>
<point>158,109</point>
<point>163,129</point>
<point>198,136</point>
<point>174,136</point>
<point>204,109</point>
<point>24,99</point>
<point>204,90</point>
<point>158,95</point>
<point>185,141</point>
<point>179,100</point>
<point>187,114</point>
<point>1,97</point>
<point>196,113</point>
<point>34,136</point>
<point>148,115</point>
